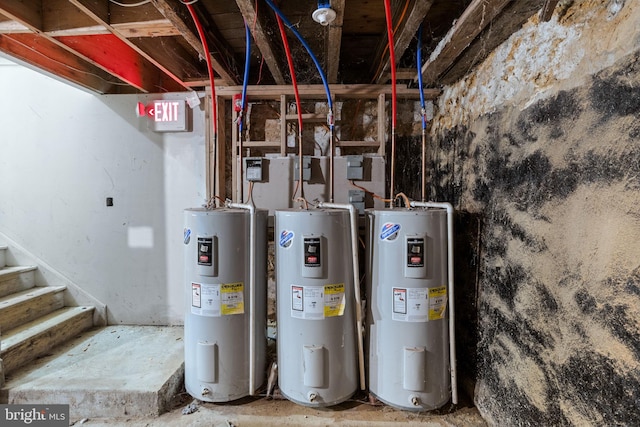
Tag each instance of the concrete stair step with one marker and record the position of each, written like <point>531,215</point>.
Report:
<point>27,342</point>
<point>112,372</point>
<point>3,256</point>
<point>16,279</point>
<point>25,306</point>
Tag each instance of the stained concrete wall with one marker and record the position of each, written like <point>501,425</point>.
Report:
<point>63,151</point>
<point>539,150</point>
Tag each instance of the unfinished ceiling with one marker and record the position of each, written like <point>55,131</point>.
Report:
<point>153,46</point>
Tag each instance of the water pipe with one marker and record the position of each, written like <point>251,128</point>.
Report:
<point>392,63</point>
<point>423,113</point>
<point>330,120</point>
<point>245,81</point>
<point>450,291</point>
<point>252,291</point>
<point>241,114</point>
<point>214,105</point>
<point>353,215</point>
<point>294,82</point>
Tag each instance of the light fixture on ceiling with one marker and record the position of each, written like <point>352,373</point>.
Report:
<point>324,15</point>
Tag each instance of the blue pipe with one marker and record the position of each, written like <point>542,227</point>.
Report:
<point>313,57</point>
<point>419,65</point>
<point>245,82</point>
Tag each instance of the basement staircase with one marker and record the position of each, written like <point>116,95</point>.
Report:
<point>33,319</point>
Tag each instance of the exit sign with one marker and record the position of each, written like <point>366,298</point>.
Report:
<point>166,115</point>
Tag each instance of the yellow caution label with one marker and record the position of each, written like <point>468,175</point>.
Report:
<point>437,302</point>
<point>232,298</point>
<point>334,300</point>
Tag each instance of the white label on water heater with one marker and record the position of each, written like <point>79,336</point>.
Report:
<point>317,302</point>
<point>205,299</point>
<point>410,304</point>
<point>215,300</point>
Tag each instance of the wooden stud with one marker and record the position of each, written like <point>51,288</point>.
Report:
<point>334,41</point>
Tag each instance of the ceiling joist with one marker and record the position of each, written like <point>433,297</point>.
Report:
<point>257,25</point>
<point>52,58</point>
<point>154,46</point>
<point>334,41</point>
<point>407,29</point>
<point>475,18</point>
<point>222,62</point>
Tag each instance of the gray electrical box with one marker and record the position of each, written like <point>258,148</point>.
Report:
<point>354,167</point>
<point>306,168</point>
<point>253,169</point>
<point>356,198</point>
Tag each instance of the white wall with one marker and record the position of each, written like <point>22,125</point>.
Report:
<point>63,151</point>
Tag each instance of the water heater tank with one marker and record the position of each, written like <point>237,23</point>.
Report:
<point>217,321</point>
<point>407,318</point>
<point>315,306</point>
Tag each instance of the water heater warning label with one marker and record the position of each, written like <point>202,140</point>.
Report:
<point>410,304</point>
<point>205,299</point>
<point>334,300</point>
<point>217,300</point>
<point>437,302</point>
<point>317,302</point>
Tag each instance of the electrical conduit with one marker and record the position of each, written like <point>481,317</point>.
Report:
<point>353,216</point>
<point>450,291</point>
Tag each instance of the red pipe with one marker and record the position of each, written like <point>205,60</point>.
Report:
<point>392,60</point>
<point>292,71</point>
<point>205,46</point>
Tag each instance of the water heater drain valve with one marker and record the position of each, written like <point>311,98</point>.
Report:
<point>414,400</point>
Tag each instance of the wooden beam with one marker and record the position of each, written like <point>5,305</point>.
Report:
<point>62,18</point>
<point>263,42</point>
<point>48,56</point>
<point>177,57</point>
<point>510,20</point>
<point>181,19</point>
<point>28,14</point>
<point>547,10</point>
<point>113,55</point>
<point>401,74</point>
<point>402,37</point>
<point>334,41</point>
<point>99,12</point>
<point>11,27</point>
<point>473,20</point>
<point>350,91</point>
<point>155,28</point>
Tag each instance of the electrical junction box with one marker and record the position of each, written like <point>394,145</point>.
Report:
<point>356,198</point>
<point>306,168</point>
<point>253,169</point>
<point>354,167</point>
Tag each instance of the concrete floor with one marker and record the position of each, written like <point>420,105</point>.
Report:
<point>127,375</point>
<point>265,412</point>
